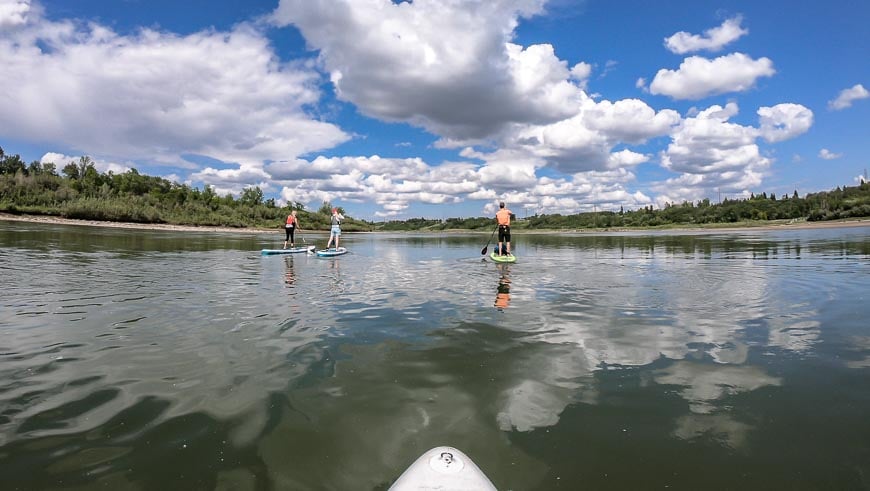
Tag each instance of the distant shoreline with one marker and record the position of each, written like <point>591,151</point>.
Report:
<point>717,227</point>
<point>53,220</point>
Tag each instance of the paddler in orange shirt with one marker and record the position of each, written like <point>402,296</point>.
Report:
<point>289,228</point>
<point>503,217</point>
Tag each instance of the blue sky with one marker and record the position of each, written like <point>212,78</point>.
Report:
<point>442,108</point>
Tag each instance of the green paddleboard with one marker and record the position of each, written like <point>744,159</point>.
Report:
<point>510,258</point>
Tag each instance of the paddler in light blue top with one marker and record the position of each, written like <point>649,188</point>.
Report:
<point>335,232</point>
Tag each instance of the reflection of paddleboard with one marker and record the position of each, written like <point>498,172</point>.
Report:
<point>292,250</point>
<point>331,252</point>
<point>443,468</point>
<point>502,259</point>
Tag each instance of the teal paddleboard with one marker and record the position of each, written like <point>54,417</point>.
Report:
<point>445,468</point>
<point>331,252</point>
<point>510,258</point>
<point>292,250</point>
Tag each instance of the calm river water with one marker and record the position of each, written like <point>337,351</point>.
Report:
<point>169,360</point>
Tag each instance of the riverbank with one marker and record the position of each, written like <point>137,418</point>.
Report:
<point>52,220</point>
<point>713,227</point>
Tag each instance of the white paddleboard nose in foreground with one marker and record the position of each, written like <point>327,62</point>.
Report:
<point>444,469</point>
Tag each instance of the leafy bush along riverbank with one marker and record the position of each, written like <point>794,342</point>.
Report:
<point>78,190</point>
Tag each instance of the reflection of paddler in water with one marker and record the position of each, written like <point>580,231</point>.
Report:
<point>503,297</point>
<point>334,272</point>
<point>289,276</point>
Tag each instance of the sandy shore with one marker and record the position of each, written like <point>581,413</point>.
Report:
<point>140,226</point>
<point>783,225</point>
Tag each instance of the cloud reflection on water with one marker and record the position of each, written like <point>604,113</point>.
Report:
<point>632,307</point>
<point>391,348</point>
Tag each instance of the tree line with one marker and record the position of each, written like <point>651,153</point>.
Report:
<point>79,190</point>
<point>840,203</point>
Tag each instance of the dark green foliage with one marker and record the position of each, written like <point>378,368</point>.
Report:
<point>410,224</point>
<point>83,192</point>
<point>12,164</point>
<point>326,209</point>
<point>252,196</point>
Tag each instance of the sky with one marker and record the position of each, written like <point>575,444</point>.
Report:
<point>443,108</point>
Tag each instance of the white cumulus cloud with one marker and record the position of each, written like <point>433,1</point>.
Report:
<point>581,72</point>
<point>626,158</point>
<point>60,161</point>
<point>13,13</point>
<point>446,65</point>
<point>700,77</point>
<point>848,96</point>
<point>156,95</point>
<point>713,39</point>
<point>829,155</point>
<point>784,121</point>
<point>710,152</point>
<point>233,181</point>
<point>584,141</point>
<point>395,184</point>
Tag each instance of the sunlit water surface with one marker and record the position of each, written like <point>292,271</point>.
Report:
<point>169,360</point>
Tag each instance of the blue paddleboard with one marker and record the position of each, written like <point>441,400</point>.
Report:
<point>292,250</point>
<point>331,252</point>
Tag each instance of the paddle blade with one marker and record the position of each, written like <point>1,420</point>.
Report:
<point>483,251</point>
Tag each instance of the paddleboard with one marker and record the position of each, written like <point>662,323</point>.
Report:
<point>444,468</point>
<point>292,250</point>
<point>510,258</point>
<point>331,252</point>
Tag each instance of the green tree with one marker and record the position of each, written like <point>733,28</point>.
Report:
<point>325,208</point>
<point>251,196</point>
<point>12,164</point>
<point>208,195</point>
<point>91,179</point>
<point>71,171</point>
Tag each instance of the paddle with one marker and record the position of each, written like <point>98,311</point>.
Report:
<point>483,251</point>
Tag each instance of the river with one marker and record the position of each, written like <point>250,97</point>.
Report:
<point>134,359</point>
